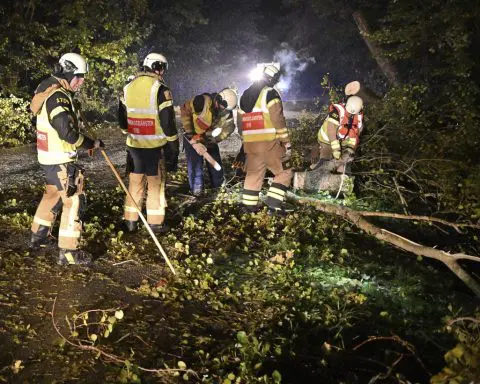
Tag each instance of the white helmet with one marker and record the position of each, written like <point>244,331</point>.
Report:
<point>73,63</point>
<point>271,73</point>
<point>155,62</point>
<point>354,105</point>
<point>228,98</point>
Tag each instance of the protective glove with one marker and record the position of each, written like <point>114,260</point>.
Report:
<point>199,148</point>
<point>335,144</point>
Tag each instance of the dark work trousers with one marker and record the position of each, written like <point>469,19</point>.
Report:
<point>195,167</point>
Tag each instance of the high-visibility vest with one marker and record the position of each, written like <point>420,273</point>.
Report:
<point>257,125</point>
<point>343,132</point>
<point>144,128</point>
<point>51,148</point>
<point>202,121</point>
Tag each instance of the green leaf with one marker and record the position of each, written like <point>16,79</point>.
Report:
<point>242,337</point>
<point>277,377</point>
<point>119,314</point>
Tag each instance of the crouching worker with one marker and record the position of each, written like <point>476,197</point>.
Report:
<point>146,114</point>
<point>58,139</point>
<point>207,120</point>
<point>339,134</point>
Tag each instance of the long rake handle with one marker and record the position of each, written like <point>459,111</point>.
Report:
<point>155,240</point>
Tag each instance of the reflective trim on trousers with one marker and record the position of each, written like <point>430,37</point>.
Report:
<point>68,233</point>
<point>42,222</point>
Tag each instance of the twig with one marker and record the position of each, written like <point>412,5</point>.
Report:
<point>110,356</point>
<point>143,341</point>
<point>123,337</point>
<point>123,262</point>
<point>402,199</point>
<point>472,319</point>
<point>398,340</point>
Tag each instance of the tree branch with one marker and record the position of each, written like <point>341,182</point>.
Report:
<point>357,218</point>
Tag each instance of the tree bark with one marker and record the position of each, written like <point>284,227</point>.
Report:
<point>385,65</point>
<point>357,218</point>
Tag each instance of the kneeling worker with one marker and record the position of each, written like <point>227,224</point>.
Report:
<point>339,134</point>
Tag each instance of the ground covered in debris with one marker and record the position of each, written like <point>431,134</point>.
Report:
<point>301,299</point>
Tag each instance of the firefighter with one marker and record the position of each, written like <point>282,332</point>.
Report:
<point>58,139</point>
<point>207,119</point>
<point>266,143</point>
<point>146,115</point>
<point>339,134</point>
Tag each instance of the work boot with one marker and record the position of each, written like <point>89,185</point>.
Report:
<point>36,242</point>
<point>73,257</point>
<point>131,226</point>
<point>246,209</point>
<point>159,228</point>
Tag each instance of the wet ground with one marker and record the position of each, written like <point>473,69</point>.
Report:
<point>189,324</point>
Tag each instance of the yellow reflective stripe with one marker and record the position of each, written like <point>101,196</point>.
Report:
<point>68,233</point>
<point>282,136</point>
<point>246,202</point>
<point>69,257</point>
<point>281,130</point>
<point>56,111</point>
<point>275,196</point>
<point>322,136</point>
<point>250,197</point>
<point>259,131</point>
<point>277,190</point>
<point>332,120</point>
<point>154,212</point>
<point>172,138</point>
<point>335,144</point>
<point>80,140</point>
<point>42,222</point>
<point>130,209</point>
<point>271,102</point>
<point>165,104</point>
<point>351,140</point>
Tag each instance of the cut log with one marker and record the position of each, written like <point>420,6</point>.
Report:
<point>321,179</point>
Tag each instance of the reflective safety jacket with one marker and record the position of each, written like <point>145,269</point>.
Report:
<point>202,121</point>
<point>145,98</point>
<point>199,118</point>
<point>257,125</point>
<point>339,125</point>
<point>51,148</point>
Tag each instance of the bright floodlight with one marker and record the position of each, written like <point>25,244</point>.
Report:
<point>256,73</point>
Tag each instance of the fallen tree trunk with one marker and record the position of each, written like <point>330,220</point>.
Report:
<point>358,219</point>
